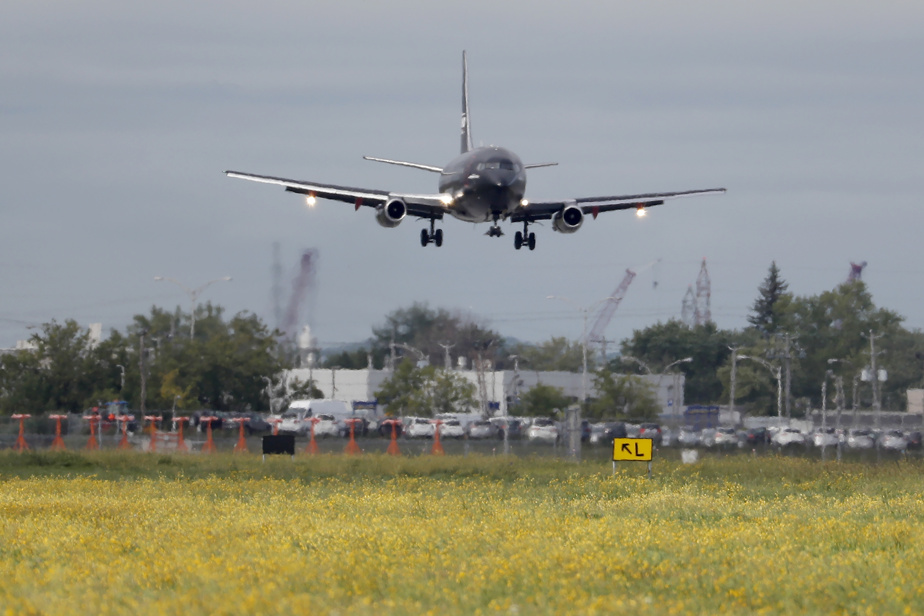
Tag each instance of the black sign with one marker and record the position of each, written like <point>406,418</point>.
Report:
<point>280,443</point>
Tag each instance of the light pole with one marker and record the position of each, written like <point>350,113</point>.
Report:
<point>778,375</point>
<point>638,361</point>
<point>575,433</point>
<point>193,296</point>
<point>675,382</point>
<point>333,382</point>
<point>675,385</point>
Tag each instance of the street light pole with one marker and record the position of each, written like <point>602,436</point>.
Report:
<point>193,296</point>
<point>575,436</point>
<point>777,372</point>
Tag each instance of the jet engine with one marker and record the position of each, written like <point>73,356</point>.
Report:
<point>568,220</point>
<point>391,214</point>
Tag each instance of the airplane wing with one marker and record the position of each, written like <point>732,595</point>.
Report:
<point>423,206</point>
<point>544,210</point>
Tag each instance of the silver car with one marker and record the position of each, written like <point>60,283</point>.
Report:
<point>688,437</point>
<point>894,440</point>
<point>788,436</point>
<point>860,439</point>
<point>482,429</point>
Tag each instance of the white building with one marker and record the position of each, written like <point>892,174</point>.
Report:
<point>502,386</point>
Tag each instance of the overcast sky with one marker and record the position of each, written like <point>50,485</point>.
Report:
<point>118,119</point>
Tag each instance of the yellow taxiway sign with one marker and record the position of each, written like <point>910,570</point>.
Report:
<point>632,449</point>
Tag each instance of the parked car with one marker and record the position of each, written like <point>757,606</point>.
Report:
<point>293,422</point>
<point>254,423</point>
<point>722,437</point>
<point>596,433</point>
<point>757,436</point>
<point>385,429</point>
<point>826,437</point>
<point>860,439</point>
<point>914,439</point>
<point>894,440</point>
<point>452,428</point>
<point>418,427</point>
<point>688,436</point>
<point>668,438</point>
<point>787,437</point>
<point>543,429</point>
<point>650,430</point>
<point>481,428</point>
<point>325,426</point>
<point>514,427</point>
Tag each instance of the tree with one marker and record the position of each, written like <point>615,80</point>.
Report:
<point>664,343</point>
<point>832,325</point>
<point>63,371</point>
<point>557,353</point>
<point>622,396</point>
<point>425,391</point>
<point>425,329</point>
<point>543,400</point>
<point>770,303</point>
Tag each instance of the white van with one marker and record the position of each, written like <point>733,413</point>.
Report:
<point>294,420</point>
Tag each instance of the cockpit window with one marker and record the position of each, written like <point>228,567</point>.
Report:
<point>498,164</point>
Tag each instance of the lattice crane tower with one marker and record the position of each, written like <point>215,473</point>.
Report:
<point>703,313</point>
<point>856,271</point>
<point>608,308</point>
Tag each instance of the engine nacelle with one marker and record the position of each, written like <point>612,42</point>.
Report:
<point>391,214</point>
<point>568,220</point>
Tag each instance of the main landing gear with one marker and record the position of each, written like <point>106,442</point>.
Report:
<point>524,238</point>
<point>433,235</point>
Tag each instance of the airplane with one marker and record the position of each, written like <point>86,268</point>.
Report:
<point>484,184</point>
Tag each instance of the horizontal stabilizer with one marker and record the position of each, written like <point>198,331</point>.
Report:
<point>405,164</point>
<point>537,165</point>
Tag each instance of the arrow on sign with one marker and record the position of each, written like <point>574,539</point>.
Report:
<point>628,450</point>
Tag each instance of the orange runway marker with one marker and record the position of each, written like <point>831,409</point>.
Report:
<point>21,444</point>
<point>312,448</point>
<point>437,446</point>
<point>352,448</point>
<point>393,448</point>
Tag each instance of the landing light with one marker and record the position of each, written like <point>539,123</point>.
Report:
<point>446,199</point>
<point>311,200</point>
<point>524,202</point>
<point>640,212</point>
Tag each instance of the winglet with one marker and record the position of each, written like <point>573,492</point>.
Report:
<point>466,127</point>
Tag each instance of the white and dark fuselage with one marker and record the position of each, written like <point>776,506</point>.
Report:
<point>486,184</point>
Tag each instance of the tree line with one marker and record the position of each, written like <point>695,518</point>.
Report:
<point>236,363</point>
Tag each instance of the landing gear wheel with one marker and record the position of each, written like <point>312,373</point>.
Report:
<point>518,240</point>
<point>532,241</point>
<point>438,237</point>
<point>424,238</point>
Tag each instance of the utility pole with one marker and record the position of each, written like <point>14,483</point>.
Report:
<point>734,368</point>
<point>874,376</point>
<point>787,357</point>
<point>141,368</point>
<point>447,359</point>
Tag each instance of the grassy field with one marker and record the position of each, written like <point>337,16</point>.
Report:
<point>109,532</point>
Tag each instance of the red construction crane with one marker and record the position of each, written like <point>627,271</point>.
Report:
<point>608,308</point>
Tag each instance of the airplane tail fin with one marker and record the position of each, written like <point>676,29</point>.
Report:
<point>466,128</point>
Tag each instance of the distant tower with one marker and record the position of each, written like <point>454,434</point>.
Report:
<point>856,271</point>
<point>307,344</point>
<point>703,312</point>
<point>688,308</point>
<point>302,287</point>
<point>277,287</point>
